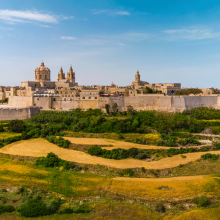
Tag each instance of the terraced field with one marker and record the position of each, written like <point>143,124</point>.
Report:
<point>40,147</point>
<point>116,144</point>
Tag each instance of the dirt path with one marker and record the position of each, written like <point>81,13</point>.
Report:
<point>179,178</point>
<point>40,147</point>
<point>116,144</point>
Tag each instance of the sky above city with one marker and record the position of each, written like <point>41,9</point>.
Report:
<point>105,41</point>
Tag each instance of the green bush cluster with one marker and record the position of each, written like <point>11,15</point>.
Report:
<point>1,128</point>
<point>36,207</point>
<point>94,121</point>
<point>6,208</point>
<point>61,142</point>
<point>16,126</point>
<point>140,141</point>
<point>210,156</point>
<point>172,141</point>
<point>202,201</point>
<point>203,113</point>
<point>118,153</point>
<point>52,160</point>
<point>9,140</point>
<point>189,91</point>
<point>127,172</point>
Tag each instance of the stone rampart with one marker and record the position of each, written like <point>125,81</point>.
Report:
<point>17,113</point>
<point>20,101</point>
<point>140,102</point>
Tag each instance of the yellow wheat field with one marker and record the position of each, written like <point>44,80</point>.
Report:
<point>40,147</point>
<point>165,188</point>
<point>116,144</point>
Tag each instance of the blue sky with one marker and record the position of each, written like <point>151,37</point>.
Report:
<point>107,41</point>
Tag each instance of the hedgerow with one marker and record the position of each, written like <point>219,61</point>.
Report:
<point>61,142</point>
<point>141,154</point>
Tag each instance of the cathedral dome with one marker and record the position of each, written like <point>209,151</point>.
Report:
<point>42,67</point>
<point>42,73</point>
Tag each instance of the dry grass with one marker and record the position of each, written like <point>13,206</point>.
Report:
<point>40,147</point>
<point>116,144</point>
<point>206,214</point>
<point>176,188</point>
<point>4,135</point>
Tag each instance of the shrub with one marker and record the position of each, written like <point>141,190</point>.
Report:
<point>120,137</point>
<point>210,156</point>
<point>160,208</point>
<point>6,208</point>
<point>66,211</point>
<point>1,128</point>
<point>52,160</point>
<point>33,208</point>
<point>127,172</point>
<point>202,201</point>
<point>16,126</point>
<point>61,142</point>
<point>95,150</point>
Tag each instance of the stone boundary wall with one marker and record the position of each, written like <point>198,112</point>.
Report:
<point>144,102</point>
<point>17,113</point>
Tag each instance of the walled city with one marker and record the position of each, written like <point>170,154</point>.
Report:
<point>65,94</point>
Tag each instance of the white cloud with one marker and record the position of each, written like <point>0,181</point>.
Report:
<point>122,13</point>
<point>96,12</point>
<point>14,17</point>
<point>68,38</point>
<point>110,12</point>
<point>192,34</point>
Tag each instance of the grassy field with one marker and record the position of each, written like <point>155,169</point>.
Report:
<point>180,188</point>
<point>40,147</point>
<point>117,198</point>
<point>4,135</point>
<point>151,138</point>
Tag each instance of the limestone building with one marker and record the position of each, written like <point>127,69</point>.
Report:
<point>65,94</point>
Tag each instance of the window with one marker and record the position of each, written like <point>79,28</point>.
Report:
<point>40,77</point>
<point>61,92</point>
<point>83,97</point>
<point>54,99</point>
<point>66,92</point>
<point>45,77</point>
<point>96,93</point>
<point>90,93</point>
<point>64,99</point>
<point>89,97</point>
<point>95,97</point>
<point>84,93</point>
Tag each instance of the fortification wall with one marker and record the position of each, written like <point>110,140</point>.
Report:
<point>200,101</point>
<point>17,113</point>
<point>159,103</point>
<point>102,101</point>
<point>42,102</point>
<point>20,101</point>
<point>72,103</point>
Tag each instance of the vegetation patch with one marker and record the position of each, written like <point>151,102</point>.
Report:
<point>52,160</point>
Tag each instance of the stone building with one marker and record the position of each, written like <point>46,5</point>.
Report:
<point>65,94</point>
